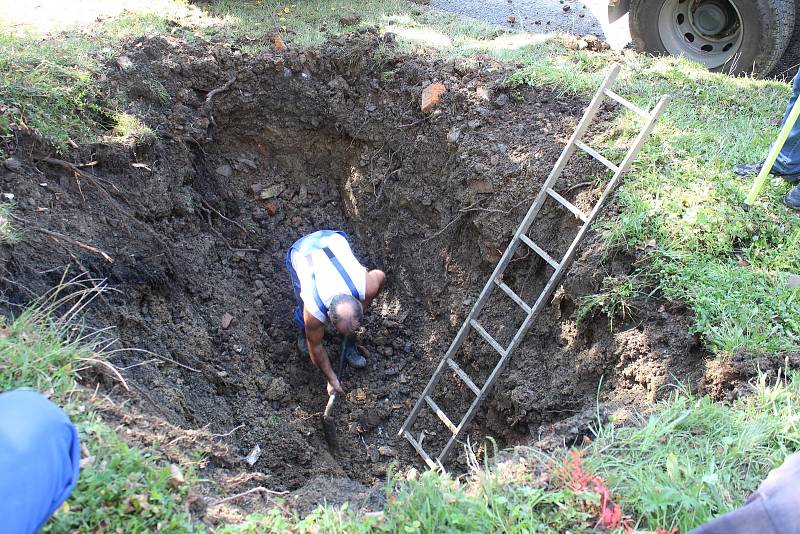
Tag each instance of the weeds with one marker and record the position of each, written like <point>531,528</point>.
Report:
<point>120,488</point>
<point>614,300</point>
<point>695,459</point>
<point>8,233</point>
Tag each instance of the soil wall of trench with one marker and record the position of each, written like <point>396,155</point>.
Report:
<point>198,218</point>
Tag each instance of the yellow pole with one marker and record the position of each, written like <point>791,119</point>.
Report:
<point>761,179</point>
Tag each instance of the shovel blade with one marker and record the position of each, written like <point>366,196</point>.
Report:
<point>329,431</point>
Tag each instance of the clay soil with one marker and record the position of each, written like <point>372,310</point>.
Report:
<point>198,218</point>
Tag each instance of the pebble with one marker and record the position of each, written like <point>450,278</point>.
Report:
<point>388,351</point>
<point>385,450</point>
<point>13,164</point>
<point>501,100</point>
<point>453,135</point>
<point>225,170</point>
<point>227,319</point>
<point>408,347</point>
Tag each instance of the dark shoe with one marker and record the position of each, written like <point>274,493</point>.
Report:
<point>302,344</point>
<point>746,169</point>
<point>792,198</point>
<point>351,354</point>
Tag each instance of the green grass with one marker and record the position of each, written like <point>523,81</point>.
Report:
<point>695,459</point>
<point>122,489</point>
<point>8,233</point>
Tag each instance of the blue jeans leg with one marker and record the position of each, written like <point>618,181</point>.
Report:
<point>298,311</point>
<point>788,161</point>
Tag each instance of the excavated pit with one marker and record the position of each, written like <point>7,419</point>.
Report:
<point>334,138</point>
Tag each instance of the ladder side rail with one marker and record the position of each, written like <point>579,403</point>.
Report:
<point>556,276</point>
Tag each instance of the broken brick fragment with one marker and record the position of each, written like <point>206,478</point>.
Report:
<point>279,44</point>
<point>431,96</point>
<point>271,207</point>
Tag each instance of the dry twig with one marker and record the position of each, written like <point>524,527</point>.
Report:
<point>259,489</point>
<point>68,239</point>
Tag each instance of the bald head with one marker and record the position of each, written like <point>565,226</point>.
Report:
<point>345,313</point>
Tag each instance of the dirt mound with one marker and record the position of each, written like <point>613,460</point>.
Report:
<point>250,153</point>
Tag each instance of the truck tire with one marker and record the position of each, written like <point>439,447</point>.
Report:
<point>788,64</point>
<point>736,36</point>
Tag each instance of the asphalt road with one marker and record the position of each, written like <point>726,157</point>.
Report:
<point>544,16</point>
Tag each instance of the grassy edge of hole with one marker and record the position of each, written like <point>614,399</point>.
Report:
<point>121,486</point>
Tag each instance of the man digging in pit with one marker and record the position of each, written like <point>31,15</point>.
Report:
<point>330,284</point>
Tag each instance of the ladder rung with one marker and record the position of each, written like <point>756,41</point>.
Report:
<point>464,376</point>
<point>420,450</point>
<point>446,420</point>
<point>596,155</point>
<point>545,256</point>
<point>627,103</point>
<point>489,339</point>
<point>567,204</point>
<point>516,298</point>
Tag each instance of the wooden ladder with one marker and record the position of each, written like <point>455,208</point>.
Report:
<point>560,267</point>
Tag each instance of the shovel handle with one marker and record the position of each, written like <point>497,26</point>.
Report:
<point>329,406</point>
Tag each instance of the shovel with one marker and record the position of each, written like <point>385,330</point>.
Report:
<point>328,422</point>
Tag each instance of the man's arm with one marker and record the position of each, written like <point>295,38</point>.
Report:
<point>315,331</point>
<point>375,280</point>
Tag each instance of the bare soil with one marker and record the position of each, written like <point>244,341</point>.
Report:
<point>249,154</point>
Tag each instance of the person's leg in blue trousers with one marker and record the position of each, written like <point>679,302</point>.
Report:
<point>788,161</point>
<point>39,460</point>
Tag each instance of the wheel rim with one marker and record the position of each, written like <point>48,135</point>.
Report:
<point>708,31</point>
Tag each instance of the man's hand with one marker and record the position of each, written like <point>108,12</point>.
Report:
<point>335,387</point>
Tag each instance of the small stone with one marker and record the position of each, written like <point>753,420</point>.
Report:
<point>278,390</point>
<point>793,281</point>
<point>388,351</point>
<point>511,19</point>
<point>278,42</point>
<point>474,124</point>
<point>302,195</point>
<point>124,63</point>
<point>227,319</point>
<point>482,93</point>
<point>225,170</point>
<point>272,191</point>
<point>501,100</point>
<point>349,20</point>
<point>176,478</point>
<point>385,450</point>
<point>432,96</point>
<point>248,162</point>
<point>271,208</point>
<point>412,474</point>
<point>252,458</point>
<point>257,188</point>
<point>391,372</point>
<point>566,8</point>
<point>453,135</point>
<point>13,164</point>
<point>374,455</point>
<point>258,303</point>
<point>408,347</point>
